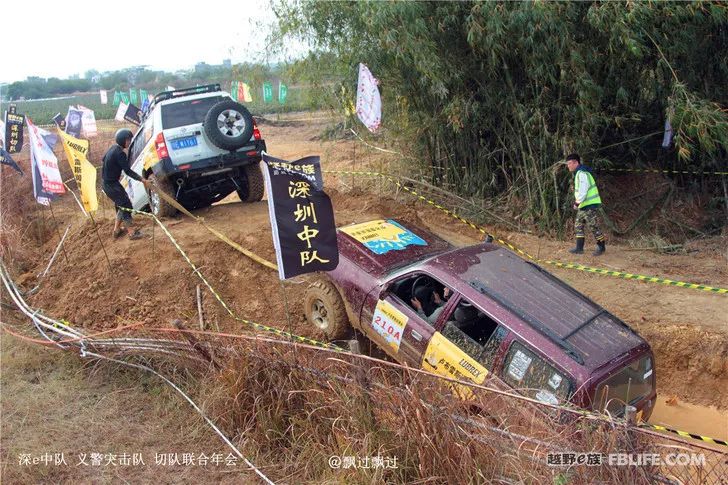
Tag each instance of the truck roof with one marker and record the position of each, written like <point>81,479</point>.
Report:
<point>584,330</point>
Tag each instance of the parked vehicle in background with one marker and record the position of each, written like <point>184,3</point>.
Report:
<point>197,145</point>
<point>501,317</point>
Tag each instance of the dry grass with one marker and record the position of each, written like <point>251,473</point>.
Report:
<point>291,411</point>
<point>54,402</point>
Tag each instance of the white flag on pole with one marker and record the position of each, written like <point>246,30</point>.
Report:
<point>88,122</point>
<point>368,101</point>
<point>45,160</point>
<point>104,96</point>
<point>121,111</point>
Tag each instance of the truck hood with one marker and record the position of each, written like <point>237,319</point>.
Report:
<point>384,245</point>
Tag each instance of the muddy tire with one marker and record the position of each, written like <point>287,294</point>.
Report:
<point>159,206</point>
<point>254,185</point>
<point>325,310</point>
<point>228,125</point>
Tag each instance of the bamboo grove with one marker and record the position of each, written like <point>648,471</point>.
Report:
<point>491,95</point>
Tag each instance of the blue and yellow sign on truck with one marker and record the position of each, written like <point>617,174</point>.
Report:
<point>381,236</point>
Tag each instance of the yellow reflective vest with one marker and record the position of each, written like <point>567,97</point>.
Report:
<point>592,193</point>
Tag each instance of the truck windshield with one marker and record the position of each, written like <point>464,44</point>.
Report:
<point>185,113</point>
<point>629,385</point>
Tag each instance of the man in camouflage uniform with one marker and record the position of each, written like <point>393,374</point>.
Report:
<point>587,204</point>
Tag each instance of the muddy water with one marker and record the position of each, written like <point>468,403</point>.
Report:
<point>683,416</point>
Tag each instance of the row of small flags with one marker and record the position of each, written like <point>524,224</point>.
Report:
<point>239,90</point>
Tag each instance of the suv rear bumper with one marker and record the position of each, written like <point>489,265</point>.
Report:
<point>203,182</point>
<point>209,167</point>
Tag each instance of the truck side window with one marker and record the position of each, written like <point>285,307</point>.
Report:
<point>136,148</point>
<point>526,371</point>
<point>420,286</point>
<point>475,333</point>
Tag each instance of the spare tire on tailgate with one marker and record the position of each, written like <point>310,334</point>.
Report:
<point>228,125</point>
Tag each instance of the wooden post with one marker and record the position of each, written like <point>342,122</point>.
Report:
<point>725,197</point>
<point>196,345</point>
<point>288,316</point>
<point>96,229</point>
<point>199,308</point>
<point>353,167</point>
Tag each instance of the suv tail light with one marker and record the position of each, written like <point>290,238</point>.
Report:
<point>161,146</point>
<point>256,131</point>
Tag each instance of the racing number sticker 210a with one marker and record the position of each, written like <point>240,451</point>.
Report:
<point>389,323</point>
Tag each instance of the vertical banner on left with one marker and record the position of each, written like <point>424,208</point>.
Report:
<point>84,173</point>
<point>47,180</point>
<point>13,130</point>
<point>301,216</point>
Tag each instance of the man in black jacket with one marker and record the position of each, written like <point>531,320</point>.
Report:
<point>115,162</point>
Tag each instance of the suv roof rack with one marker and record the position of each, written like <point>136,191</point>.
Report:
<point>570,350</point>
<point>207,88</point>
<point>178,93</point>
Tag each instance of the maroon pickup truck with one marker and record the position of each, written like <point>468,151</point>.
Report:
<point>480,311</point>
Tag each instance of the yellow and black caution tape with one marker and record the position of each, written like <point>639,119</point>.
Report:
<point>257,326</point>
<point>685,434</point>
<point>655,170</point>
<point>580,267</point>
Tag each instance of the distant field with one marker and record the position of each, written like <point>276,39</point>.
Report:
<point>42,112</point>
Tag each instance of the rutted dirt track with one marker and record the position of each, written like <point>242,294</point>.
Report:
<point>150,281</point>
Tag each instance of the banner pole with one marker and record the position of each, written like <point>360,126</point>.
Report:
<point>55,223</point>
<point>153,240</point>
<point>353,167</point>
<point>96,229</point>
<point>288,317</point>
<point>42,225</point>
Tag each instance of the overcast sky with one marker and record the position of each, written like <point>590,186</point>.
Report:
<point>59,39</point>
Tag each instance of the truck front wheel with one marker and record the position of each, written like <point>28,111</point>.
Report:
<point>325,309</point>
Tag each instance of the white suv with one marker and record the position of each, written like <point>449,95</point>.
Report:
<point>197,145</point>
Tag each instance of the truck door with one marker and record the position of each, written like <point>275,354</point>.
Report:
<point>389,319</point>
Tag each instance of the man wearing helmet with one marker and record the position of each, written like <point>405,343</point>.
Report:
<point>115,162</point>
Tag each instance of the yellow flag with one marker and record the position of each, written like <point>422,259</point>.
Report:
<point>246,94</point>
<point>85,173</point>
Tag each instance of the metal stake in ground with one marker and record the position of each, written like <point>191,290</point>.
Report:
<point>55,223</point>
